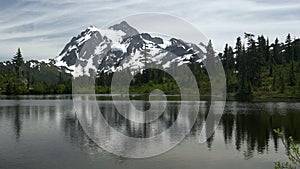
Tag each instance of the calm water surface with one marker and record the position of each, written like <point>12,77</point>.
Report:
<point>44,133</point>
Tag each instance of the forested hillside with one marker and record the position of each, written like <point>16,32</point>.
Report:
<point>262,68</point>
<point>254,67</point>
<point>33,77</point>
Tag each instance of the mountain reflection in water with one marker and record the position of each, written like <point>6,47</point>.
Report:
<point>246,127</point>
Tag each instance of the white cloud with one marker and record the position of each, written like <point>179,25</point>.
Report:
<point>42,27</point>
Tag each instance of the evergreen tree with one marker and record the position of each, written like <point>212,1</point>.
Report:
<point>238,55</point>
<point>276,52</point>
<point>210,58</point>
<point>263,50</point>
<point>210,51</point>
<point>228,58</point>
<point>18,61</point>
<point>228,61</point>
<point>245,88</point>
<point>289,52</point>
<point>269,60</point>
<point>253,59</point>
<point>224,57</point>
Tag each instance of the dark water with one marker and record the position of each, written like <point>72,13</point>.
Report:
<point>45,134</point>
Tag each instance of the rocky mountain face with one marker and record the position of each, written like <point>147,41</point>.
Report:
<point>120,47</point>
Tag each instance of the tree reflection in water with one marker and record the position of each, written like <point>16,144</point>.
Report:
<point>247,125</point>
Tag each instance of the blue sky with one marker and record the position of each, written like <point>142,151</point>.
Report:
<point>41,28</point>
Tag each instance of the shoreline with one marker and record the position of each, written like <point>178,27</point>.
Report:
<point>260,98</point>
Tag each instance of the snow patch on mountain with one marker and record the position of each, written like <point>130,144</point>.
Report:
<point>123,47</point>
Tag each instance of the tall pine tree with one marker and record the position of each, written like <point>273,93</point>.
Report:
<point>18,61</point>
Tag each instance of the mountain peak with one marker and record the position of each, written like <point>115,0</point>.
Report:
<point>92,28</point>
<point>126,28</point>
<point>121,42</point>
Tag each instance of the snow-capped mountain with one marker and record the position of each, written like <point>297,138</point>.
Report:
<point>120,47</point>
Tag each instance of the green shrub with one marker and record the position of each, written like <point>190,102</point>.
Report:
<point>293,153</point>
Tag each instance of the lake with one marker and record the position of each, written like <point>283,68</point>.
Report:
<point>44,133</point>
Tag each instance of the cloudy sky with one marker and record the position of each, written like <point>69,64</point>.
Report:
<point>41,28</point>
